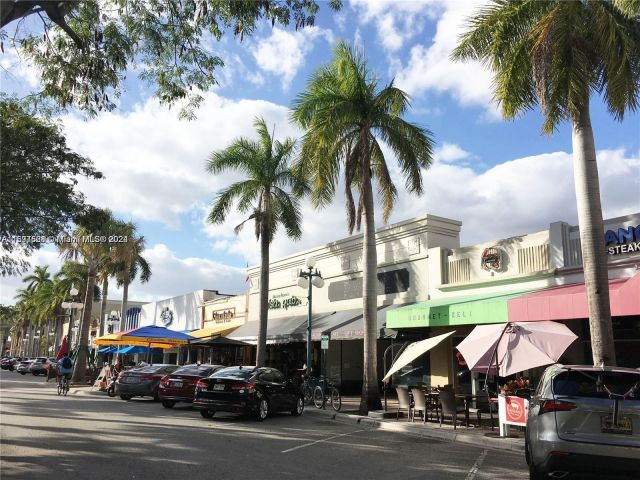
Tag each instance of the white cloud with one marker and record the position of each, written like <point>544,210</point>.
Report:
<point>171,276</point>
<point>154,163</point>
<point>517,197</point>
<point>522,195</point>
<point>283,53</point>
<point>429,67</point>
<point>17,71</point>
<point>450,152</point>
<point>396,22</point>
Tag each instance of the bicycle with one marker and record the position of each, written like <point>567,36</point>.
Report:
<point>63,385</point>
<point>309,383</point>
<point>325,393</point>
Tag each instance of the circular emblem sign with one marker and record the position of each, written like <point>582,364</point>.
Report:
<point>515,411</point>
<point>166,316</point>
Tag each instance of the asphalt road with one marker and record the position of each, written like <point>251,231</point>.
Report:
<point>81,436</point>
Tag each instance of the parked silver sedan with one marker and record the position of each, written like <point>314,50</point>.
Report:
<point>586,421</point>
<point>23,366</point>
<point>142,381</point>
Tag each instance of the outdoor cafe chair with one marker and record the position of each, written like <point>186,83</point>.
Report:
<point>449,407</point>
<point>420,404</point>
<point>404,402</point>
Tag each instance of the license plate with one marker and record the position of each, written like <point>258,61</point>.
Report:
<point>624,426</point>
<point>176,384</point>
<point>218,386</point>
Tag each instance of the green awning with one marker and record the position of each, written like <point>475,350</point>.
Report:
<point>443,312</point>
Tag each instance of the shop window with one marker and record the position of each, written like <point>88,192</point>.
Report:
<point>394,281</point>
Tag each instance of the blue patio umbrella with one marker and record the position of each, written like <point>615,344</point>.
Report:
<point>109,349</point>
<point>131,349</point>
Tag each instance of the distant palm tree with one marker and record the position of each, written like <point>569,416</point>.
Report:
<point>86,250</point>
<point>269,192</point>
<point>345,113</point>
<point>557,54</point>
<point>128,262</point>
<point>40,276</point>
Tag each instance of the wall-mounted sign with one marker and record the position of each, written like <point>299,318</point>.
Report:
<point>625,240</point>
<point>284,300</point>
<point>492,259</point>
<point>166,316</point>
<point>223,316</point>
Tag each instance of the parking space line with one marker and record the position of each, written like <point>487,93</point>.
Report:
<point>321,441</point>
<point>476,466</point>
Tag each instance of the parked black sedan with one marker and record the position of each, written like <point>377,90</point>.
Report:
<point>180,385</point>
<point>142,381</point>
<point>255,391</point>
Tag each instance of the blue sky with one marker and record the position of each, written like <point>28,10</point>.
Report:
<point>500,178</point>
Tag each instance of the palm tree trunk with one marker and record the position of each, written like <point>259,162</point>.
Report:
<point>370,399</point>
<point>261,353</point>
<point>125,294</point>
<point>594,256</point>
<point>103,305</point>
<point>81,361</point>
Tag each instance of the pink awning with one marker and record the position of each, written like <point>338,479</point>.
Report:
<point>567,302</point>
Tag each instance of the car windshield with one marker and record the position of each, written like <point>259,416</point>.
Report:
<point>201,371</point>
<point>234,372</point>
<point>597,384</point>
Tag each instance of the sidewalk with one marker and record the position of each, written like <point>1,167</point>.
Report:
<point>432,429</point>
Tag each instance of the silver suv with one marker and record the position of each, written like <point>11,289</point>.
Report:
<point>584,420</point>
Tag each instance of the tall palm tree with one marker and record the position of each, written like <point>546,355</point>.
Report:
<point>84,249</point>
<point>557,54</point>
<point>38,277</point>
<point>270,192</point>
<point>128,261</point>
<point>345,113</point>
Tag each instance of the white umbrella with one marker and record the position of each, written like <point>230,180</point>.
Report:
<point>516,347</point>
<point>413,351</point>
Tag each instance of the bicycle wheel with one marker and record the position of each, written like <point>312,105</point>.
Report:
<point>307,392</point>
<point>318,397</point>
<point>65,387</point>
<point>59,388</point>
<point>336,400</point>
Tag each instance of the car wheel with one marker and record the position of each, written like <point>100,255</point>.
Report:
<point>206,413</point>
<point>23,373</point>
<point>168,403</point>
<point>299,408</point>
<point>125,397</point>
<point>534,472</point>
<point>263,410</point>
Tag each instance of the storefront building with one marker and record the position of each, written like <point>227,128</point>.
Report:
<point>403,275</point>
<point>531,277</point>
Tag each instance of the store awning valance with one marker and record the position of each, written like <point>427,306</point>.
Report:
<point>568,302</point>
<point>279,330</point>
<point>453,311</point>
<point>222,329</point>
<point>354,329</point>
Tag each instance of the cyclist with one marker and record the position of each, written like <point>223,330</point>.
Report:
<point>65,367</point>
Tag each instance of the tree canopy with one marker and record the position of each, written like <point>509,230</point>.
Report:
<point>84,49</point>
<point>39,175</point>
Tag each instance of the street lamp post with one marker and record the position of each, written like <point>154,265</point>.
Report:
<point>71,306</point>
<point>309,279</point>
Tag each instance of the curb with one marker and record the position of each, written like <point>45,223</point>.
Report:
<point>509,444</point>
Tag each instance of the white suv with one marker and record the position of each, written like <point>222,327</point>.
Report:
<point>585,420</point>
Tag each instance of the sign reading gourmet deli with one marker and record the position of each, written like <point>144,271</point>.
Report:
<point>625,240</point>
<point>223,316</point>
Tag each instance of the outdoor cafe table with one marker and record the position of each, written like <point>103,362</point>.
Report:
<point>468,398</point>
